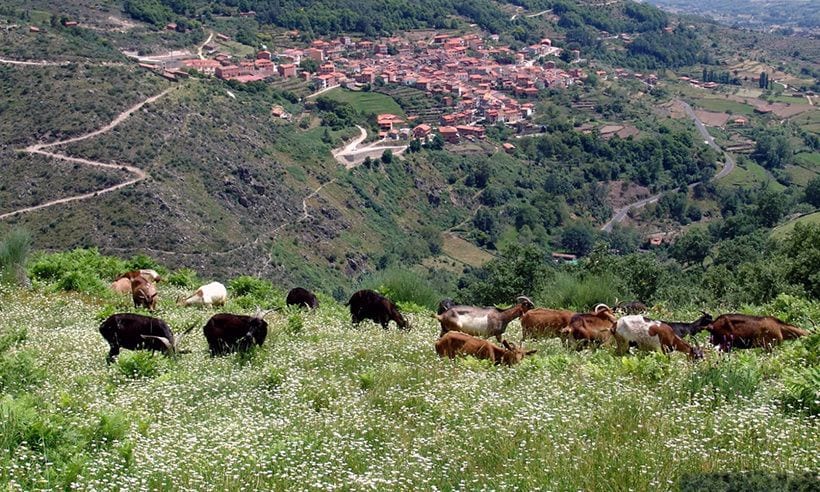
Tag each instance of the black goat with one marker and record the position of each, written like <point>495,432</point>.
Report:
<point>135,331</point>
<point>302,298</point>
<point>444,305</point>
<point>690,329</point>
<point>227,332</point>
<point>368,304</point>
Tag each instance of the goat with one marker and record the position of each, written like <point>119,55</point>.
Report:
<point>456,343</point>
<point>595,327</point>
<point>541,322</point>
<point>368,304</point>
<point>143,293</point>
<point>630,307</point>
<point>650,335</point>
<point>483,322</point>
<point>302,298</point>
<point>743,331</point>
<point>226,333</point>
<point>671,342</point>
<point>690,329</point>
<point>122,285</point>
<point>135,331</point>
<point>147,274</point>
<point>209,295</point>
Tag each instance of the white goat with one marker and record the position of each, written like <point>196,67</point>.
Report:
<point>210,294</point>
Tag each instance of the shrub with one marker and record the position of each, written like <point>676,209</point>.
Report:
<point>803,388</point>
<point>78,270</point>
<point>138,364</point>
<point>403,286</point>
<point>14,252</point>
<point>725,379</point>
<point>250,292</point>
<point>569,291</point>
<point>184,277</point>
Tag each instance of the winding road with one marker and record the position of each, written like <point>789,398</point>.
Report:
<point>728,166</point>
<point>351,155</point>
<point>138,173</point>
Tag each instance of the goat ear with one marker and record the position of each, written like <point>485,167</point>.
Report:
<point>506,344</point>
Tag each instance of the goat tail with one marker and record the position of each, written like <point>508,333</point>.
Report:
<point>790,332</point>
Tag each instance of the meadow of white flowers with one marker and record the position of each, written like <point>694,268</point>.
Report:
<point>325,406</point>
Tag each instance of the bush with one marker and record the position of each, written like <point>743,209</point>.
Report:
<point>726,379</point>
<point>250,292</point>
<point>138,364</point>
<point>403,286</point>
<point>184,277</point>
<point>78,270</point>
<point>803,389</point>
<point>14,252</point>
<point>569,291</point>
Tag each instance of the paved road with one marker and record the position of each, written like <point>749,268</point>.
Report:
<point>728,166</point>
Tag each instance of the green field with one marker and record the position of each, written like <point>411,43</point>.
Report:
<point>724,106</point>
<point>800,175</point>
<point>323,405</point>
<point>749,175</point>
<point>782,230</point>
<point>808,159</point>
<point>366,102</point>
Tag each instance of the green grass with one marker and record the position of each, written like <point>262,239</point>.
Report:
<point>724,106</point>
<point>808,159</point>
<point>782,230</point>
<point>749,175</point>
<point>366,102</point>
<point>800,175</point>
<point>324,405</point>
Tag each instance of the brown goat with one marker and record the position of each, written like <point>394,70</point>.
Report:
<point>122,285</point>
<point>744,331</point>
<point>595,327</point>
<point>143,293</point>
<point>455,343</point>
<point>671,342</point>
<point>541,322</point>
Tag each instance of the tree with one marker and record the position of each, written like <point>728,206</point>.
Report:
<point>773,151</point>
<point>387,156</point>
<point>519,270</point>
<point>813,191</point>
<point>578,238</point>
<point>769,208</point>
<point>415,146</point>
<point>802,251</point>
<point>309,65</point>
<point>692,247</point>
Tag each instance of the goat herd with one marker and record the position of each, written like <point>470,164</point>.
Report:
<point>461,326</point>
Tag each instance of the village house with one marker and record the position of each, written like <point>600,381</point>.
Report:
<point>287,70</point>
<point>207,67</point>
<point>449,134</point>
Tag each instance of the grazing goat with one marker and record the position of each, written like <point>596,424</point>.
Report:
<point>302,298</point>
<point>368,304</point>
<point>743,331</point>
<point>690,329</point>
<point>630,307</point>
<point>134,331</point>
<point>147,274</point>
<point>227,332</point>
<point>671,342</point>
<point>143,293</point>
<point>444,305</point>
<point>542,322</point>
<point>482,322</point>
<point>122,285</point>
<point>650,335</point>
<point>595,327</point>
<point>212,294</point>
<point>456,343</point>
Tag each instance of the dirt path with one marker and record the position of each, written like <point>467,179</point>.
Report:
<point>138,173</point>
<point>728,166</point>
<point>202,46</point>
<point>41,63</point>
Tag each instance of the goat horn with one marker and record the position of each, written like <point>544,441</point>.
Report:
<point>164,341</point>
<point>524,298</point>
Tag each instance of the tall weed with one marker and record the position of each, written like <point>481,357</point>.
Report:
<point>14,253</point>
<point>567,290</point>
<point>404,286</point>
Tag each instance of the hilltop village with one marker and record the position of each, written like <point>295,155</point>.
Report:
<point>474,81</point>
